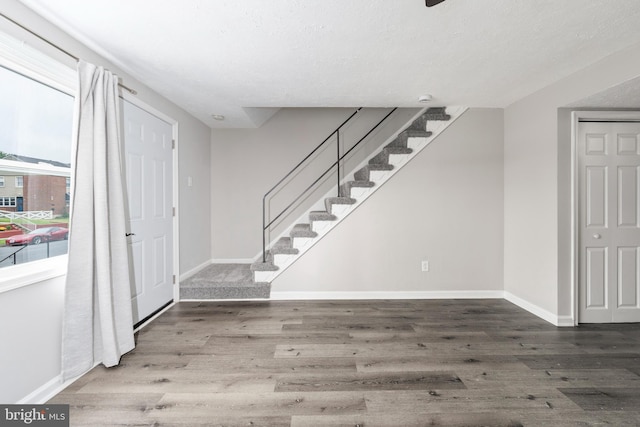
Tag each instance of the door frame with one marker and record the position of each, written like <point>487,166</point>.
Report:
<point>126,96</point>
<point>576,117</point>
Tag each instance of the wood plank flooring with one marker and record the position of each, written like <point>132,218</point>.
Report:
<point>364,363</point>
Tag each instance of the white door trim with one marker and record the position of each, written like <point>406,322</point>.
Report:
<point>176,193</point>
<point>576,116</point>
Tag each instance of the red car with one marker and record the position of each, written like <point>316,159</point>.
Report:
<point>39,235</point>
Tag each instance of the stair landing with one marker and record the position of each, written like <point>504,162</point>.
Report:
<point>223,281</point>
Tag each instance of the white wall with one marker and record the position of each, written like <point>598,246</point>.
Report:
<point>445,206</point>
<point>246,163</point>
<point>31,319</point>
<point>34,312</point>
<point>537,183</point>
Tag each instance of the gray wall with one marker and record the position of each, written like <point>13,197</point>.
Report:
<point>35,311</point>
<point>246,163</point>
<point>537,183</point>
<point>445,206</point>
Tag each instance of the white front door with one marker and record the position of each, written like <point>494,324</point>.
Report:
<point>148,174</point>
<point>609,222</point>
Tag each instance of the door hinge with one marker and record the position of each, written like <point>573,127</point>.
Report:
<point>174,279</point>
<point>173,144</point>
<point>174,211</point>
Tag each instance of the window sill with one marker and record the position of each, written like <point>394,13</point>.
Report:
<point>33,272</point>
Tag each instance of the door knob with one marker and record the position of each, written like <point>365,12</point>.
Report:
<point>596,236</point>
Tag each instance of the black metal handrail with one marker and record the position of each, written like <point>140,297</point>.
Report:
<point>13,255</point>
<point>339,158</point>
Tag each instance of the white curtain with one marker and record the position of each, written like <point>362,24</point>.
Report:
<point>97,325</point>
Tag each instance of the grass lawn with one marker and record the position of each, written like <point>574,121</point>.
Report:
<point>37,221</point>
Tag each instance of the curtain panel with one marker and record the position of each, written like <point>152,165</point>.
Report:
<point>98,321</point>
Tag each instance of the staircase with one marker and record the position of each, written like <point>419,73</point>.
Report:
<point>242,281</point>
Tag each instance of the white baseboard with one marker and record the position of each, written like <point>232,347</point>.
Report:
<point>284,296</point>
<point>560,321</point>
<point>43,393</point>
<point>566,322</point>
<point>232,261</point>
<point>195,270</point>
<point>48,390</point>
<point>538,311</point>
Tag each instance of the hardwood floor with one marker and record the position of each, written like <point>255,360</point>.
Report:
<point>365,363</point>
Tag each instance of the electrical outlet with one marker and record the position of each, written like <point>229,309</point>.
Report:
<point>425,265</point>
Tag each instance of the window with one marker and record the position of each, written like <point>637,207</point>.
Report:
<point>1,181</point>
<point>36,119</point>
<point>7,201</point>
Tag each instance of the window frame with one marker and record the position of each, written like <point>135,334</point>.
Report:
<point>13,201</point>
<point>1,181</point>
<point>18,56</point>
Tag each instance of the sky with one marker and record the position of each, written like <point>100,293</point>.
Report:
<point>35,120</point>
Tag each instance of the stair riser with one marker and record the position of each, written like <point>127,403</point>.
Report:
<point>434,126</point>
<point>282,259</point>
<point>264,276</point>
<point>398,159</point>
<point>416,144</point>
<point>339,210</point>
<point>359,192</point>
<point>320,226</point>
<point>301,243</point>
<point>377,176</point>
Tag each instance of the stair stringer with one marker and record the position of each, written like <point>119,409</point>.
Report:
<point>417,144</point>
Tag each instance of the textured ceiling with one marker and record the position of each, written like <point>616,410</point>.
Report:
<point>624,95</point>
<point>236,57</point>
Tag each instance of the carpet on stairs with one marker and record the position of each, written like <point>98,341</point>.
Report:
<point>223,281</point>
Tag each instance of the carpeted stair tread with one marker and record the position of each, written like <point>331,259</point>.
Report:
<point>303,230</point>
<point>363,173</point>
<point>284,246</point>
<point>330,201</point>
<point>398,150</point>
<point>375,167</point>
<point>321,216</point>
<point>264,266</point>
<point>382,158</point>
<point>224,281</point>
<point>345,189</point>
<point>420,123</point>
<point>402,139</point>
<point>416,133</point>
<point>362,184</point>
<point>437,113</point>
<point>248,290</point>
<point>340,200</point>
